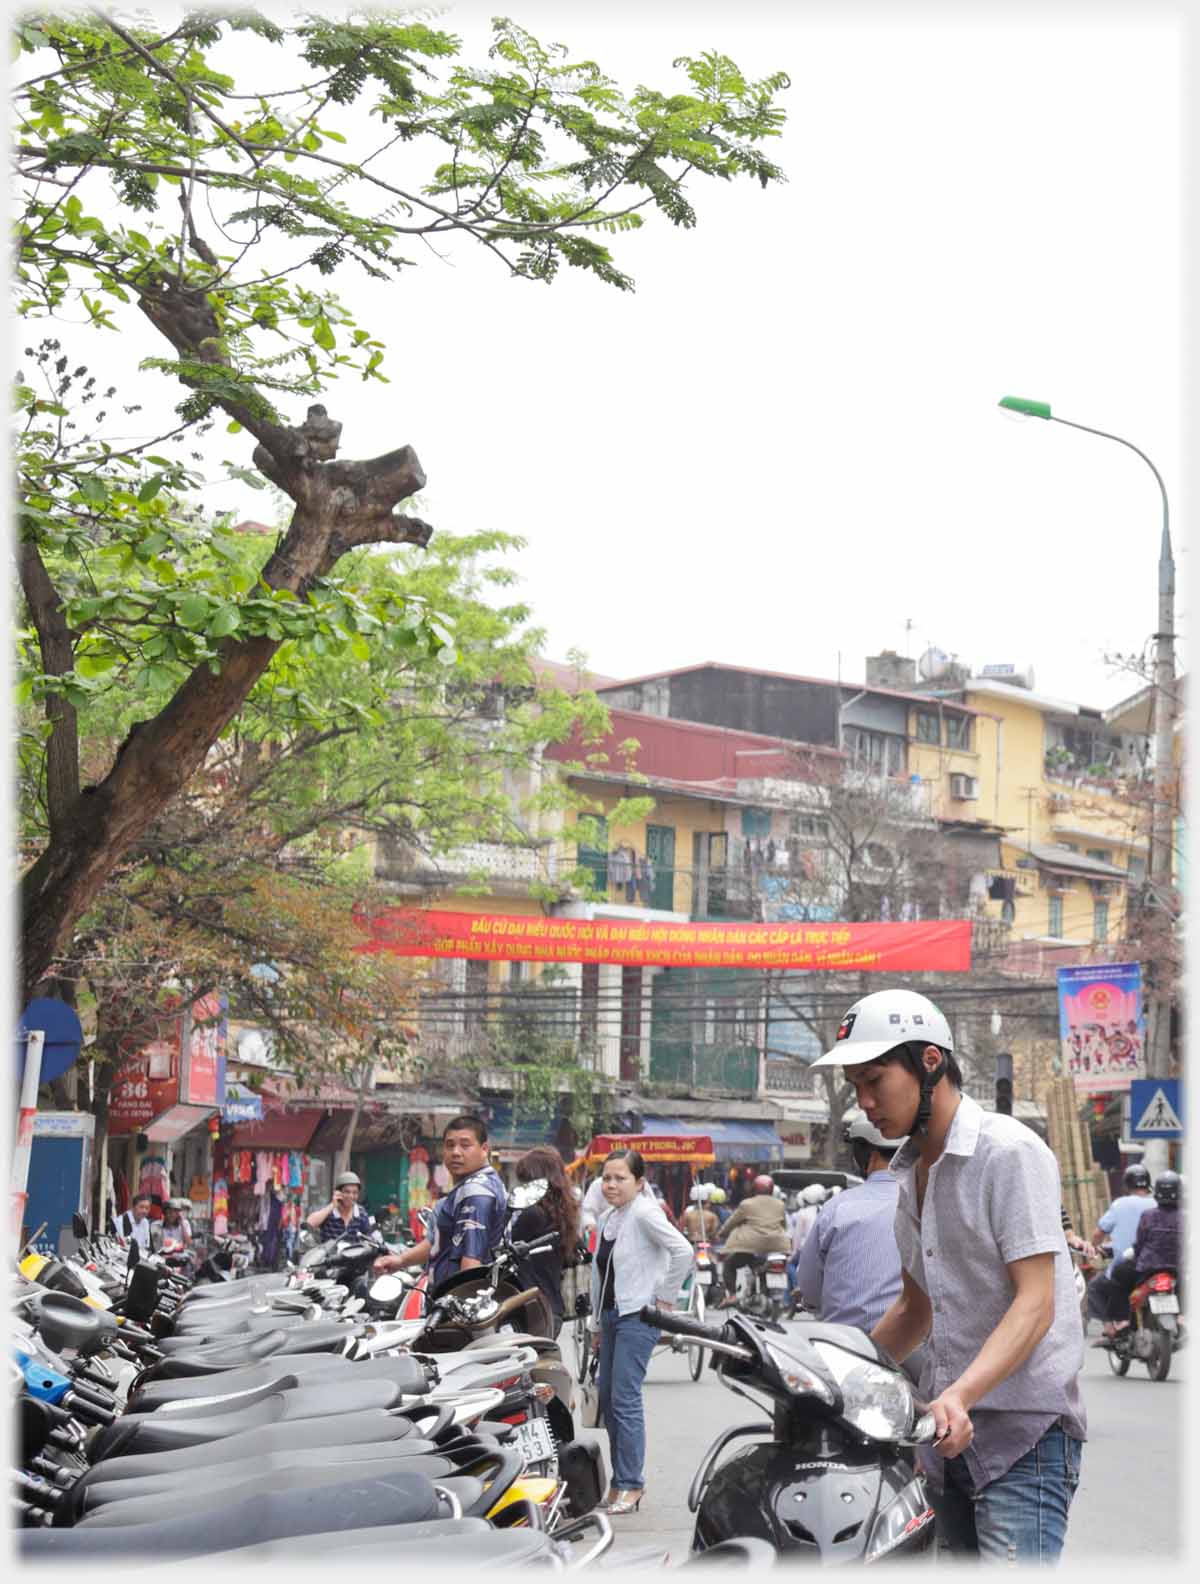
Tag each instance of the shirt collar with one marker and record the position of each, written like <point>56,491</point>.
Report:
<point>961,1139</point>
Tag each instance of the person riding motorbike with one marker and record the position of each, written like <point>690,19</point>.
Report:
<point>343,1213</point>
<point>699,1222</point>
<point>802,1222</point>
<point>1108,1300</point>
<point>758,1226</point>
<point>1157,1247</point>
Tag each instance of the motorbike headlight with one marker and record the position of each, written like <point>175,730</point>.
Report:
<point>798,1379</point>
<point>878,1402</point>
<point>899,1521</point>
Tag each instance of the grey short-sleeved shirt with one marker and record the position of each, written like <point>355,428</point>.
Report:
<point>993,1196</point>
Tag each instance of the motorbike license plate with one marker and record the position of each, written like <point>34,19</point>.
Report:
<point>1164,1303</point>
<point>704,1278</point>
<point>535,1441</point>
<point>777,1281</point>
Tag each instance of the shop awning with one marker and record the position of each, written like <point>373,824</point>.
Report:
<point>278,1130</point>
<point>176,1122</point>
<point>522,1131</point>
<point>754,1142</point>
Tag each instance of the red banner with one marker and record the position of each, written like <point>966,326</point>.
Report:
<point>658,1149</point>
<point>939,946</point>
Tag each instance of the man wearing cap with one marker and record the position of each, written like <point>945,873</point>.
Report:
<point>343,1213</point>
<point>985,1276</point>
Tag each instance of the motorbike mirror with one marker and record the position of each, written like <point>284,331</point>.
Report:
<point>922,1433</point>
<point>353,1307</point>
<point>526,1194</point>
<point>78,1225</point>
<point>387,1289</point>
<point>313,1257</point>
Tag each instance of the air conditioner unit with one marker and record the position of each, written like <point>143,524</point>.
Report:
<point>1059,884</point>
<point>964,787</point>
<point>1101,887</point>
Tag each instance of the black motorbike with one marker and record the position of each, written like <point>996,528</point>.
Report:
<point>828,1478</point>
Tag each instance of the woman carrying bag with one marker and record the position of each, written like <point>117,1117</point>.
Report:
<point>640,1259</point>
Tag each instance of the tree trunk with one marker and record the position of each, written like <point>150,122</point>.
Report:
<point>342,1159</point>
<point>341,505</point>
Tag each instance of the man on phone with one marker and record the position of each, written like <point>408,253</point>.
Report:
<point>343,1213</point>
<point>468,1221</point>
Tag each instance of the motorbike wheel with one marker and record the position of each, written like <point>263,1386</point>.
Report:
<point>1158,1365</point>
<point>1118,1362</point>
<point>695,1355</point>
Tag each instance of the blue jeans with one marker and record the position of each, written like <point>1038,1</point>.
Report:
<point>1020,1517</point>
<point>626,1343</point>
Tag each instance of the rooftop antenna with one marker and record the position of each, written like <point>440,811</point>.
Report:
<point>908,627</point>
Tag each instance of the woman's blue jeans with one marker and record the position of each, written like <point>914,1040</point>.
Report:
<point>1020,1517</point>
<point>626,1343</point>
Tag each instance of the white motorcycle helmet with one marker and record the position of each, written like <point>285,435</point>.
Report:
<point>863,1137</point>
<point>881,1021</point>
<point>814,1194</point>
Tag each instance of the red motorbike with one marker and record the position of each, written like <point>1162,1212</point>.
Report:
<point>1155,1328</point>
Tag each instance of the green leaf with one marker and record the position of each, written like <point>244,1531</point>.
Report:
<point>323,335</point>
<point>193,609</point>
<point>151,488</point>
<point>225,622</point>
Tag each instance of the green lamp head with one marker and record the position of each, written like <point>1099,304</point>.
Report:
<point>1027,408</point>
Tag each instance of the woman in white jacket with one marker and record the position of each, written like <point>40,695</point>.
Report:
<point>640,1259</point>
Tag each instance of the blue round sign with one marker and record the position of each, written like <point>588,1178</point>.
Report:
<point>64,1036</point>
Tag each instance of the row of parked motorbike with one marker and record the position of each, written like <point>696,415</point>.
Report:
<point>318,1412</point>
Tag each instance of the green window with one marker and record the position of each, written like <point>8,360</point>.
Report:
<point>958,731</point>
<point>1100,921</point>
<point>1056,917</point>
<point>928,727</point>
<point>595,857</point>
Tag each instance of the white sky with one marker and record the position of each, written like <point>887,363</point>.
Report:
<point>785,446</point>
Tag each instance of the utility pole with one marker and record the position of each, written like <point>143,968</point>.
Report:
<point>1158,1052</point>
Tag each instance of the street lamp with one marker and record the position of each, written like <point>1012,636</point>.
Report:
<point>1164,713</point>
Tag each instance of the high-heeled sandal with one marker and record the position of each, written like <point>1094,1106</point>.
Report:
<point>627,1501</point>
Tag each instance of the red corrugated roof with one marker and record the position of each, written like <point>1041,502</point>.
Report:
<point>690,754</point>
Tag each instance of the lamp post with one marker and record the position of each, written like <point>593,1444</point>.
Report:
<point>1161,836</point>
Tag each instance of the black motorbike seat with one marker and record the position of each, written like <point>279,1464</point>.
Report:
<point>359,1503</point>
<point>308,1368</point>
<point>164,1432</point>
<point>366,1428</point>
<point>421,1457</point>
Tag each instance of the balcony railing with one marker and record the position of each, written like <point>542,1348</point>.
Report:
<point>507,866</point>
<point>787,1077</point>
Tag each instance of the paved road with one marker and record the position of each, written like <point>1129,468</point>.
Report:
<point>1128,1507</point>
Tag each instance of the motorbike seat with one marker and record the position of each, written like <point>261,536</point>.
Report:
<point>418,1456</point>
<point>397,1498</point>
<point>307,1368</point>
<point>366,1427</point>
<point>265,1283</point>
<point>213,1357</point>
<point>163,1432</point>
<point>210,1492</point>
<point>474,1543</point>
<point>242,1324</point>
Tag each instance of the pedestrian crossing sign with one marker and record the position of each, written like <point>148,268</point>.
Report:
<point>1155,1108</point>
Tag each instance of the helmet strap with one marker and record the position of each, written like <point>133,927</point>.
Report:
<point>929,1081</point>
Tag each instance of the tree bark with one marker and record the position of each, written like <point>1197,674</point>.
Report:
<point>344,505</point>
<point>58,658</point>
<point>342,1162</point>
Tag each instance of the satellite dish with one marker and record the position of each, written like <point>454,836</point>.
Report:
<point>933,664</point>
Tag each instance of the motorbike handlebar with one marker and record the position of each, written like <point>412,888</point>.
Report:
<point>680,1325</point>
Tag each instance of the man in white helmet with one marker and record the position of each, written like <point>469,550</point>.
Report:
<point>985,1276</point>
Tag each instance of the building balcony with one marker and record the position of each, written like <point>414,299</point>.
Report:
<point>705,1069</point>
<point>508,870</point>
<point>787,1077</point>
